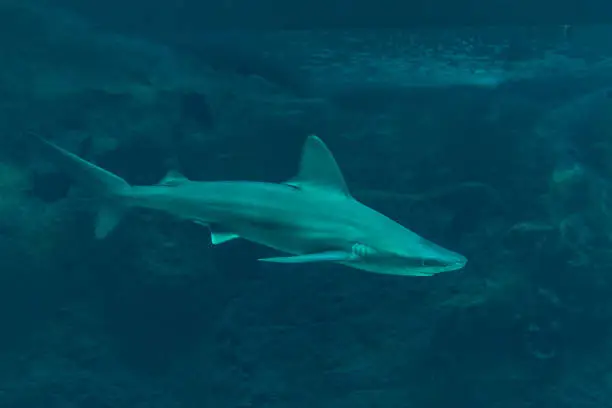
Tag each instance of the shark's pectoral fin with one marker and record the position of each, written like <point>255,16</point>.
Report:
<point>329,256</point>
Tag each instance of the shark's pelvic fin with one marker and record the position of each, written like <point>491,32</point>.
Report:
<point>173,178</point>
<point>217,234</point>
<point>318,169</point>
<point>330,256</point>
<point>221,237</point>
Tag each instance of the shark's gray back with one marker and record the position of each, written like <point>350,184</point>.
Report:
<point>265,212</point>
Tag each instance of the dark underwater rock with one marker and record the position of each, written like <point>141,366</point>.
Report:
<point>195,107</point>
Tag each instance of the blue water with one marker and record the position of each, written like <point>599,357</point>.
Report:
<point>492,141</point>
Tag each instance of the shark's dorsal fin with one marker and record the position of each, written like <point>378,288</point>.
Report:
<point>318,169</point>
<point>173,178</point>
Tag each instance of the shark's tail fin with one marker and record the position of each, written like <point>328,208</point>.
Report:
<point>106,187</point>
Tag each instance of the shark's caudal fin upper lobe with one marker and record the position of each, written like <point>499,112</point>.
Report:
<point>106,187</point>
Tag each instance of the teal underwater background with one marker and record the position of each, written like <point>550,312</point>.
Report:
<point>495,142</point>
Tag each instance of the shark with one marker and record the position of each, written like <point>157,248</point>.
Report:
<point>311,218</point>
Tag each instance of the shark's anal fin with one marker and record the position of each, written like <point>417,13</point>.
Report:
<point>318,169</point>
<point>329,256</point>
<point>107,218</point>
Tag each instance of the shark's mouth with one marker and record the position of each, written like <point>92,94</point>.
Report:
<point>425,263</point>
<point>432,266</point>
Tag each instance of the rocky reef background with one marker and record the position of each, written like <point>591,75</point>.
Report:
<point>492,142</point>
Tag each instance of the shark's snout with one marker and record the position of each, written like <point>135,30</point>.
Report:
<point>457,261</point>
<point>440,259</point>
<point>451,257</point>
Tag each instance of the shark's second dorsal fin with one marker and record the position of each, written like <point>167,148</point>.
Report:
<point>319,169</point>
<point>173,178</point>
